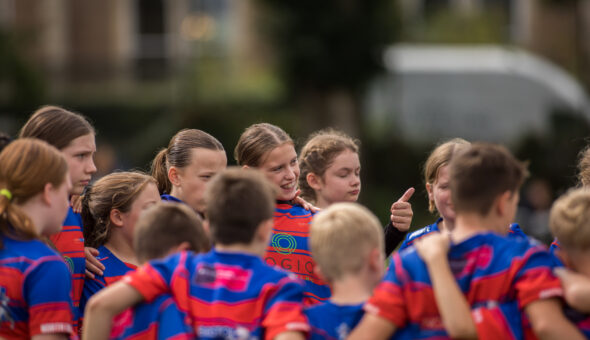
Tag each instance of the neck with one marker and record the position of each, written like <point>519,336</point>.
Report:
<point>122,248</point>
<point>351,290</point>
<point>321,203</point>
<point>34,211</point>
<point>176,193</point>
<point>469,224</point>
<point>241,248</point>
<point>447,224</point>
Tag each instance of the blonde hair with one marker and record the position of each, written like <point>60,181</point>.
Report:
<point>258,140</point>
<point>341,238</point>
<point>114,191</point>
<point>439,157</point>
<point>318,153</point>
<point>569,219</point>
<point>26,166</point>
<point>584,167</point>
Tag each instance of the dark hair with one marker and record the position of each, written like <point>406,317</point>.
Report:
<point>166,225</point>
<point>27,166</point>
<point>114,191</point>
<point>256,141</point>
<point>178,154</point>
<point>56,126</point>
<point>482,172</point>
<point>4,140</point>
<point>237,202</point>
<point>318,153</point>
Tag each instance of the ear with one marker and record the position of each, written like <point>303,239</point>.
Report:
<point>314,181</point>
<point>502,203</point>
<point>116,217</point>
<point>429,191</point>
<point>318,272</point>
<point>46,195</point>
<point>181,247</point>
<point>245,167</point>
<point>264,231</point>
<point>173,176</point>
<point>207,227</point>
<point>376,261</point>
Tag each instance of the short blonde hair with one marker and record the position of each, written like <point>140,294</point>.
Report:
<point>341,238</point>
<point>569,219</point>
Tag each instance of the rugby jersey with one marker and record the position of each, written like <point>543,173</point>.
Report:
<point>581,320</point>
<point>114,270</point>
<point>331,321</point>
<point>70,243</point>
<point>226,295</point>
<point>490,270</point>
<point>513,231</point>
<point>289,249</point>
<point>170,198</point>
<point>159,319</point>
<point>35,288</point>
<point>553,248</point>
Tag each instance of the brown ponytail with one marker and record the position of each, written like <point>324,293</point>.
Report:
<point>178,154</point>
<point>27,166</point>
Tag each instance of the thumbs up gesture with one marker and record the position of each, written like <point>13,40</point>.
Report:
<point>401,211</point>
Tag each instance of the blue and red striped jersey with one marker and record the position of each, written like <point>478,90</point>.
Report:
<point>289,249</point>
<point>330,321</point>
<point>553,248</point>
<point>35,288</point>
<point>226,295</point>
<point>513,231</point>
<point>490,269</point>
<point>70,243</point>
<point>114,270</point>
<point>160,319</point>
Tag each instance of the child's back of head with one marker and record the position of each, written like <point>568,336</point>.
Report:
<point>166,227</point>
<point>342,238</point>
<point>238,202</point>
<point>482,172</point>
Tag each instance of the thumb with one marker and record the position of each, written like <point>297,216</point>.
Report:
<point>407,195</point>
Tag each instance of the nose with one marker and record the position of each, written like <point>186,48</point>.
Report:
<point>290,173</point>
<point>90,166</point>
<point>356,180</point>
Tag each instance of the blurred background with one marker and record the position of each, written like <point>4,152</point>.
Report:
<point>400,75</point>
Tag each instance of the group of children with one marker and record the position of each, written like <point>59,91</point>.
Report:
<point>275,248</point>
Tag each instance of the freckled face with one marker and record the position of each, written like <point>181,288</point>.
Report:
<point>281,167</point>
<point>341,182</point>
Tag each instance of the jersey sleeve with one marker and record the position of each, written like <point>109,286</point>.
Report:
<point>498,321</point>
<point>535,279</point>
<point>155,277</point>
<point>388,300</point>
<point>47,289</point>
<point>284,311</point>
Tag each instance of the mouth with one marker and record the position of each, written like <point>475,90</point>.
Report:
<point>84,182</point>
<point>354,192</point>
<point>289,186</point>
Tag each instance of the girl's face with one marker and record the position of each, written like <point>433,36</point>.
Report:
<point>341,182</point>
<point>146,198</point>
<point>59,205</point>
<point>440,193</point>
<point>193,179</point>
<point>79,154</point>
<point>282,168</point>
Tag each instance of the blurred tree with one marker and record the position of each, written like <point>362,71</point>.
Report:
<point>327,52</point>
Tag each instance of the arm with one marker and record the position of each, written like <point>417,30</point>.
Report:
<point>393,237</point>
<point>372,327</point>
<point>576,289</point>
<point>548,321</point>
<point>453,307</point>
<point>49,337</point>
<point>399,224</point>
<point>104,306</point>
<point>290,335</point>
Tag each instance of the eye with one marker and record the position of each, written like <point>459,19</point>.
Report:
<point>294,161</point>
<point>276,169</point>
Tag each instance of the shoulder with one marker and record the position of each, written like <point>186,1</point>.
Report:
<point>286,208</point>
<point>419,233</point>
<point>29,249</point>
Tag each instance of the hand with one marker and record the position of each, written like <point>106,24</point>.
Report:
<point>306,205</point>
<point>76,203</point>
<point>433,246</point>
<point>576,288</point>
<point>93,265</point>
<point>401,211</point>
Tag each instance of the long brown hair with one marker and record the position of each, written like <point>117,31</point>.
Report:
<point>256,141</point>
<point>178,154</point>
<point>114,191</point>
<point>27,166</point>
<point>56,126</point>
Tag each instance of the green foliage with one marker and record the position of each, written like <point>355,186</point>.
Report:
<point>329,44</point>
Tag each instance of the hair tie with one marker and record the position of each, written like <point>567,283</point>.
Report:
<point>6,193</point>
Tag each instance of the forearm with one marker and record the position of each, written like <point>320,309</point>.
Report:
<point>452,305</point>
<point>548,321</point>
<point>393,237</point>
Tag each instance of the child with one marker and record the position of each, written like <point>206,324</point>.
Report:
<point>110,209</point>
<point>569,221</point>
<point>183,169</point>
<point>35,283</point>
<point>489,268</point>
<point>270,149</point>
<point>346,241</point>
<point>229,292</point>
<point>163,229</point>
<point>73,135</point>
<point>330,173</point>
